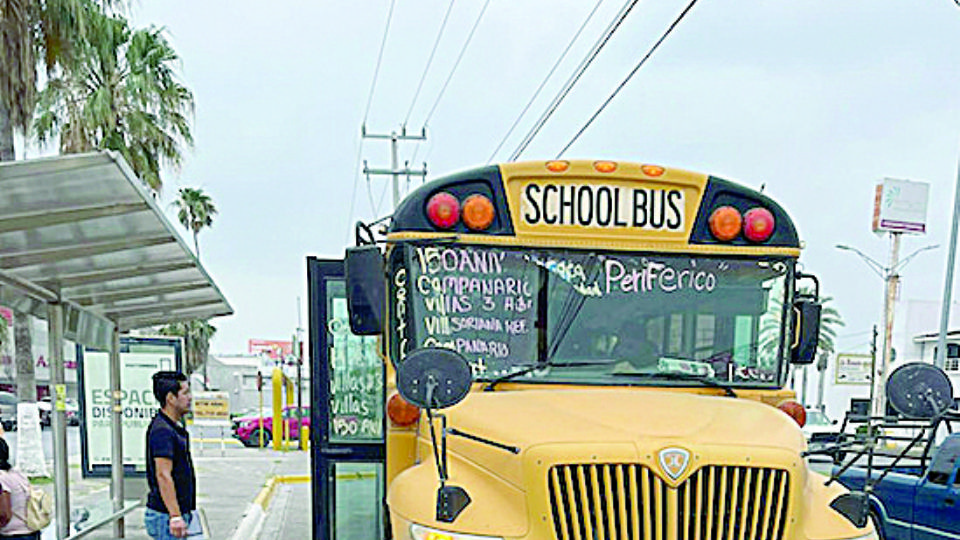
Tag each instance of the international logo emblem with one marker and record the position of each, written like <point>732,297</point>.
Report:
<point>674,461</point>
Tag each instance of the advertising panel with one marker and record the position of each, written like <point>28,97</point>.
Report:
<point>140,358</point>
<point>900,206</point>
<point>275,349</point>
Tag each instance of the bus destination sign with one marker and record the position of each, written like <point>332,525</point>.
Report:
<point>603,206</point>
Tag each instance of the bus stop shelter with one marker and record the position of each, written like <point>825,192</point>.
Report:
<point>84,246</point>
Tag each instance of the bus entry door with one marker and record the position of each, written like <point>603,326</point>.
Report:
<point>347,396</point>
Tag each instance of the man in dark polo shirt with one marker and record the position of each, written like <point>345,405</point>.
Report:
<point>173,487</point>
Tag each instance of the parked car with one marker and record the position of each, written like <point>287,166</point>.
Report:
<point>247,428</point>
<point>913,504</point>
<point>820,429</point>
<point>8,410</point>
<point>73,411</point>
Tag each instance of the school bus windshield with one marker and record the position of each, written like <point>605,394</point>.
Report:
<point>594,317</point>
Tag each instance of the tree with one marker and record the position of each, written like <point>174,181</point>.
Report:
<point>196,337</point>
<point>32,32</point>
<point>119,92</point>
<point>195,211</point>
<point>830,321</point>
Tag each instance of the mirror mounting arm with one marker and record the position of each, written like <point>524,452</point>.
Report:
<point>812,277</point>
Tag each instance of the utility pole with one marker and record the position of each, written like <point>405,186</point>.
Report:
<point>394,169</point>
<point>879,379</point>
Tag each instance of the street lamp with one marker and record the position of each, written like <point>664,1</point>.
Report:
<point>890,275</point>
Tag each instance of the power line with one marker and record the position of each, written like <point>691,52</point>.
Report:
<point>568,86</point>
<point>629,76</point>
<point>376,72</point>
<point>366,112</point>
<point>426,69</point>
<point>547,78</point>
<point>455,65</point>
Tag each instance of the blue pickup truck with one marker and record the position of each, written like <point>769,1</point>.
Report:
<point>916,504</point>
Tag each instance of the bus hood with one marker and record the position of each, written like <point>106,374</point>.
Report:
<point>635,421</point>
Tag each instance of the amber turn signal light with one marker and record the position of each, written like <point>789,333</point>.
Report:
<point>401,412</point>
<point>725,223</point>
<point>794,410</point>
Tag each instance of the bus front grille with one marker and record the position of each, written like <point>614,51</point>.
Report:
<point>629,502</point>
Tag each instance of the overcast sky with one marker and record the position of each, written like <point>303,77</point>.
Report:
<point>815,100</point>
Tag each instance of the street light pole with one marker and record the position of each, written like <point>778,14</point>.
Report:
<point>941,352</point>
<point>891,278</point>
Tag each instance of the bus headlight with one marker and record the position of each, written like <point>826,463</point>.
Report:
<point>419,532</point>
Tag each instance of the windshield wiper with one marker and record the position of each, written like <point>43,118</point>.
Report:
<point>674,376</point>
<point>533,367</point>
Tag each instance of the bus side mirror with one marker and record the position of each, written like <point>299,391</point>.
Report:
<point>806,312</point>
<point>365,289</point>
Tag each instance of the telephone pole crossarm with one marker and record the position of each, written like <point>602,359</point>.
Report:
<point>395,171</point>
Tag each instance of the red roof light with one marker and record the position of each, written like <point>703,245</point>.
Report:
<point>758,224</point>
<point>443,210</point>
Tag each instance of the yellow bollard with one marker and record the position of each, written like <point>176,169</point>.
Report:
<point>277,408</point>
<point>304,437</point>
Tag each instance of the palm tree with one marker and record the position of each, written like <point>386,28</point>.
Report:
<point>196,211</point>
<point>196,336</point>
<point>119,92</point>
<point>830,321</point>
<point>32,32</point>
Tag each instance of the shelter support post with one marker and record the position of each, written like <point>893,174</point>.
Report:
<point>116,465</point>
<point>59,418</point>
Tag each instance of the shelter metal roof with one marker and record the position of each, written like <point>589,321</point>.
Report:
<point>83,231</point>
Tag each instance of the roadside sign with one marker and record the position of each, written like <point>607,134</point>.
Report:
<point>900,206</point>
<point>211,408</point>
<point>853,368</point>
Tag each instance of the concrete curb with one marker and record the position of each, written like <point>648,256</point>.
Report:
<point>252,522</point>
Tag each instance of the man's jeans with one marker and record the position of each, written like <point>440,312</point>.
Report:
<point>158,524</point>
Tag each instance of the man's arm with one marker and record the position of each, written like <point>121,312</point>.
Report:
<point>168,492</point>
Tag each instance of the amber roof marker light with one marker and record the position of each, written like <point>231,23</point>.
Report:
<point>558,166</point>
<point>652,170</point>
<point>605,166</point>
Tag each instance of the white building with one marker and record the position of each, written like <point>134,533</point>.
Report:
<point>237,375</point>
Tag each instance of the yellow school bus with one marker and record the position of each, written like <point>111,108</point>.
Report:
<point>627,331</point>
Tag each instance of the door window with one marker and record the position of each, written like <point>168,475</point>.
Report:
<point>945,461</point>
<point>356,376</point>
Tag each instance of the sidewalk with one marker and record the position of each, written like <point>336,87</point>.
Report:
<point>290,513</point>
<point>226,487</point>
